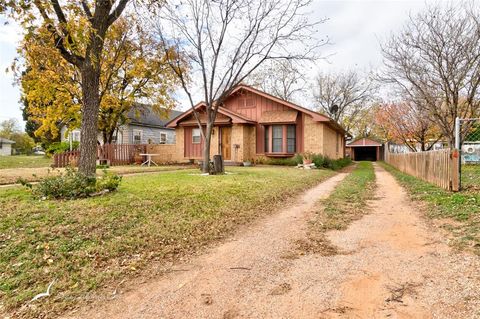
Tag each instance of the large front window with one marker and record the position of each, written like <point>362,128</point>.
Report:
<point>282,138</point>
<point>277,138</point>
<point>267,139</point>
<point>291,139</point>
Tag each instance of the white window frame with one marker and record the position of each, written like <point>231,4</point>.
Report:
<point>135,133</point>
<point>163,138</point>
<point>75,136</point>
<point>196,134</point>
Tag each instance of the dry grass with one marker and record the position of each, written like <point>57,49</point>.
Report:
<point>24,161</point>
<point>346,204</point>
<point>91,245</point>
<point>33,174</point>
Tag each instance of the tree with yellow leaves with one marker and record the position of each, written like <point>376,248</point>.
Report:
<point>77,30</point>
<point>131,71</point>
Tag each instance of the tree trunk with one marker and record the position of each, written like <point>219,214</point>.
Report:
<point>206,149</point>
<point>89,126</point>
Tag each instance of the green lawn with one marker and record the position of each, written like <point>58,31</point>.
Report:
<point>34,174</point>
<point>347,203</point>
<point>89,244</point>
<point>459,212</point>
<point>17,161</point>
<point>471,177</point>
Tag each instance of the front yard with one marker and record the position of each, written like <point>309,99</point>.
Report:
<point>33,174</point>
<point>24,161</point>
<point>471,177</point>
<point>88,245</point>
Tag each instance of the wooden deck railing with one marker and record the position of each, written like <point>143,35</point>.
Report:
<point>115,154</point>
<point>437,167</point>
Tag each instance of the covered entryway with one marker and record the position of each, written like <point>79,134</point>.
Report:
<point>365,149</point>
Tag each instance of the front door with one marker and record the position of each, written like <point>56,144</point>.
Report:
<point>226,142</point>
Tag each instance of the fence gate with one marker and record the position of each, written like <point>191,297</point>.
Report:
<point>467,141</point>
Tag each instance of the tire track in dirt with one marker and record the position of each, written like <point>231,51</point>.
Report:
<point>235,279</point>
<point>400,267</point>
<point>395,265</point>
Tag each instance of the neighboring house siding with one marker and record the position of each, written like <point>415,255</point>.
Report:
<point>126,132</point>
<point>149,135</point>
<point>5,149</point>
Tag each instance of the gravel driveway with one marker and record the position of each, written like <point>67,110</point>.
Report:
<point>393,264</point>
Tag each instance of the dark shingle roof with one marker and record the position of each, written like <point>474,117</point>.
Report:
<point>143,115</point>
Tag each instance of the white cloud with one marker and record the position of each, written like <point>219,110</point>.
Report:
<point>354,27</point>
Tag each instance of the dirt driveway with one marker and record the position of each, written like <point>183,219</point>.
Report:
<point>393,265</point>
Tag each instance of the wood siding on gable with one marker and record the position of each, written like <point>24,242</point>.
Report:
<point>253,110</point>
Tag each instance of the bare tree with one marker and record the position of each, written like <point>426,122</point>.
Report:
<point>436,58</point>
<point>225,41</point>
<point>343,96</point>
<point>281,78</point>
<point>83,49</point>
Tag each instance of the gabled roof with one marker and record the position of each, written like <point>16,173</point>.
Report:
<point>6,141</point>
<point>236,118</point>
<point>144,115</point>
<point>318,117</point>
<point>364,141</point>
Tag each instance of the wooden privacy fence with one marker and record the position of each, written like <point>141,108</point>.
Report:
<point>114,154</point>
<point>437,167</point>
<point>66,158</point>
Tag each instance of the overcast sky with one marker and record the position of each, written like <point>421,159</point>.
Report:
<point>354,28</point>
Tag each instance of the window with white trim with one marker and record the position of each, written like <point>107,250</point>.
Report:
<point>137,136</point>
<point>196,136</point>
<point>75,135</point>
<point>163,138</point>
<point>275,135</point>
<point>291,139</point>
<point>277,138</point>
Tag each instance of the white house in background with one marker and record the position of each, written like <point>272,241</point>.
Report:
<point>144,126</point>
<point>5,147</point>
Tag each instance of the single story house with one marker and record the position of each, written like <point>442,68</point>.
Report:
<point>252,124</point>
<point>5,147</point>
<point>365,149</point>
<point>144,126</point>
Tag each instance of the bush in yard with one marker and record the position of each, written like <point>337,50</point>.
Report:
<point>108,181</point>
<point>325,162</point>
<point>319,160</point>
<point>72,185</point>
